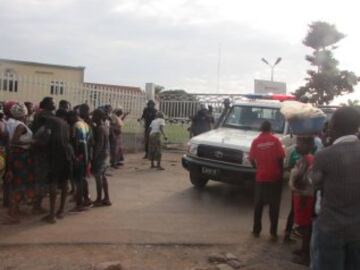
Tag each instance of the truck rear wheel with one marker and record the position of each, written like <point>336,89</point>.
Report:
<point>198,180</point>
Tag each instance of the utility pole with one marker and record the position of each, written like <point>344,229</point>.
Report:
<point>218,70</point>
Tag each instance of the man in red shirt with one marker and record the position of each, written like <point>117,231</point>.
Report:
<point>267,155</point>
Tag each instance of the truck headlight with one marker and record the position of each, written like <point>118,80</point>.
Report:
<point>193,149</point>
<point>246,161</point>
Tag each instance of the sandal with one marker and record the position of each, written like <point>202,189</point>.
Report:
<point>98,203</point>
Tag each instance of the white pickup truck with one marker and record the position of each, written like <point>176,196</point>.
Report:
<point>222,154</point>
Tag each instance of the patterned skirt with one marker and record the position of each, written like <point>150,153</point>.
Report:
<point>155,146</point>
<point>19,174</point>
<point>303,209</point>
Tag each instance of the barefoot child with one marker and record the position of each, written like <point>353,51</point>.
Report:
<point>101,152</point>
<point>156,130</point>
<point>80,139</point>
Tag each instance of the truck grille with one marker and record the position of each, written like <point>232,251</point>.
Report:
<point>220,154</point>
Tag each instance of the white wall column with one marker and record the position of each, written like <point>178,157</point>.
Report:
<point>150,91</point>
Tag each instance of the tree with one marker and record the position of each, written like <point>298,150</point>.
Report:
<point>321,35</point>
<point>158,90</point>
<point>326,81</point>
<point>177,103</point>
<point>351,103</point>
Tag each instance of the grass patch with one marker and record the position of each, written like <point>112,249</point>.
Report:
<point>176,133</point>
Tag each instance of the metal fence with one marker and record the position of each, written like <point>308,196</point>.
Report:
<point>178,108</point>
<point>34,89</point>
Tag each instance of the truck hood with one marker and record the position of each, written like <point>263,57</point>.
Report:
<point>228,138</point>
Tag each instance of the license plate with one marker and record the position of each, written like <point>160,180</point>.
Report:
<point>209,171</point>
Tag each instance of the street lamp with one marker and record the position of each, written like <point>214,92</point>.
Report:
<point>272,66</point>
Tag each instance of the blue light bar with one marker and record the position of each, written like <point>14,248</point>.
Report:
<point>269,97</point>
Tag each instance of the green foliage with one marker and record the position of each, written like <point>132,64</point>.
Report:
<point>173,104</point>
<point>174,92</point>
<point>351,103</point>
<point>322,35</point>
<point>326,81</point>
<point>158,89</point>
<point>177,94</point>
<point>177,133</point>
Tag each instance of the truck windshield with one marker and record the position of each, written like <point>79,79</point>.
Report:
<point>251,118</point>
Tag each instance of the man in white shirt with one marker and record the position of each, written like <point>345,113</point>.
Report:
<point>156,131</point>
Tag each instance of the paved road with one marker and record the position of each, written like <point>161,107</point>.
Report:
<point>154,207</point>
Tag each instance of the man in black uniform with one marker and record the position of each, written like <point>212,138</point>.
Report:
<point>148,116</point>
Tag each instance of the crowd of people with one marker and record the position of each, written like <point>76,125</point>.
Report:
<point>325,185</point>
<point>43,150</point>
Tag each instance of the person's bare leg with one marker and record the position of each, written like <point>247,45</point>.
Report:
<point>106,200</point>
<point>98,201</point>
<point>159,165</point>
<point>60,212</point>
<point>72,186</point>
<point>79,194</point>
<point>87,200</point>
<point>51,217</point>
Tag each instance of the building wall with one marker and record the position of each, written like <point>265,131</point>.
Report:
<point>28,81</point>
<point>42,71</point>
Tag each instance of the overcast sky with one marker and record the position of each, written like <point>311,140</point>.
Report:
<point>175,43</point>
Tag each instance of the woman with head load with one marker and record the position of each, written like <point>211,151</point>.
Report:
<point>19,174</point>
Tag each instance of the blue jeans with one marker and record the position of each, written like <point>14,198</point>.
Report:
<point>335,253</point>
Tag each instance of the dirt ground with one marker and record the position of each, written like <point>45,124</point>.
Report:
<point>253,256</point>
<point>157,221</point>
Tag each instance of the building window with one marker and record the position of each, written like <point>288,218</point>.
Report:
<point>94,98</point>
<point>56,88</point>
<point>9,82</point>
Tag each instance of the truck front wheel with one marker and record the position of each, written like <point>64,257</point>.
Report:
<point>198,180</point>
